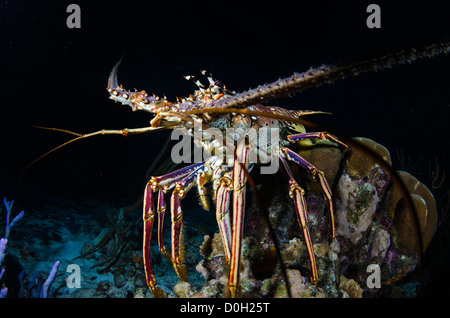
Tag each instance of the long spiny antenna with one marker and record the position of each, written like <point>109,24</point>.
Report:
<point>326,74</point>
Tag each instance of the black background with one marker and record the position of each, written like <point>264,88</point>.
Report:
<point>54,76</point>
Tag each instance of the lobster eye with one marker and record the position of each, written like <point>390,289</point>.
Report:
<point>218,83</point>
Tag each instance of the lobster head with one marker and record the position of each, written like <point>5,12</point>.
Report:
<point>168,115</point>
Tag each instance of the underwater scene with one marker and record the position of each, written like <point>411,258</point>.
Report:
<point>102,198</point>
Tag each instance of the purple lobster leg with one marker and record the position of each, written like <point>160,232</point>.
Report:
<point>161,212</point>
<point>317,135</point>
<point>297,194</point>
<point>181,188</point>
<point>168,180</point>
<point>177,227</point>
<point>157,183</point>
<point>240,169</point>
<point>293,156</point>
<point>222,211</point>
<point>149,216</point>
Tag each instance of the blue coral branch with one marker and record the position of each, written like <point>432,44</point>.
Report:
<point>50,279</point>
<point>42,289</point>
<point>9,225</point>
<point>4,241</point>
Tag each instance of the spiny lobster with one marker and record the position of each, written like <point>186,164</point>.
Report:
<point>215,109</point>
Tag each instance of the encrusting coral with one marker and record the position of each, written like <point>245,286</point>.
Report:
<point>405,223</point>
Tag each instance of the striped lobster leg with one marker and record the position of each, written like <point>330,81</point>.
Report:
<point>298,195</point>
<point>317,135</point>
<point>181,189</point>
<point>149,216</point>
<point>240,169</point>
<point>316,173</point>
<point>161,211</point>
<point>292,156</point>
<point>160,184</point>
<point>223,195</point>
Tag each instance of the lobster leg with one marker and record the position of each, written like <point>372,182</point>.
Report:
<point>177,239</point>
<point>163,183</point>
<point>149,216</point>
<point>167,181</point>
<point>240,169</point>
<point>181,189</point>
<point>318,135</point>
<point>161,212</point>
<point>292,156</point>
<point>222,212</point>
<point>297,194</point>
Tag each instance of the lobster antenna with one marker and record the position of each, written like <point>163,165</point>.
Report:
<point>326,74</point>
<point>52,150</point>
<point>122,132</point>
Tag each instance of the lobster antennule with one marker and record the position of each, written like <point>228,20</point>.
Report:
<point>312,112</point>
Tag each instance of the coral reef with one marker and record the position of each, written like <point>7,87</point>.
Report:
<point>36,288</point>
<point>100,242</point>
